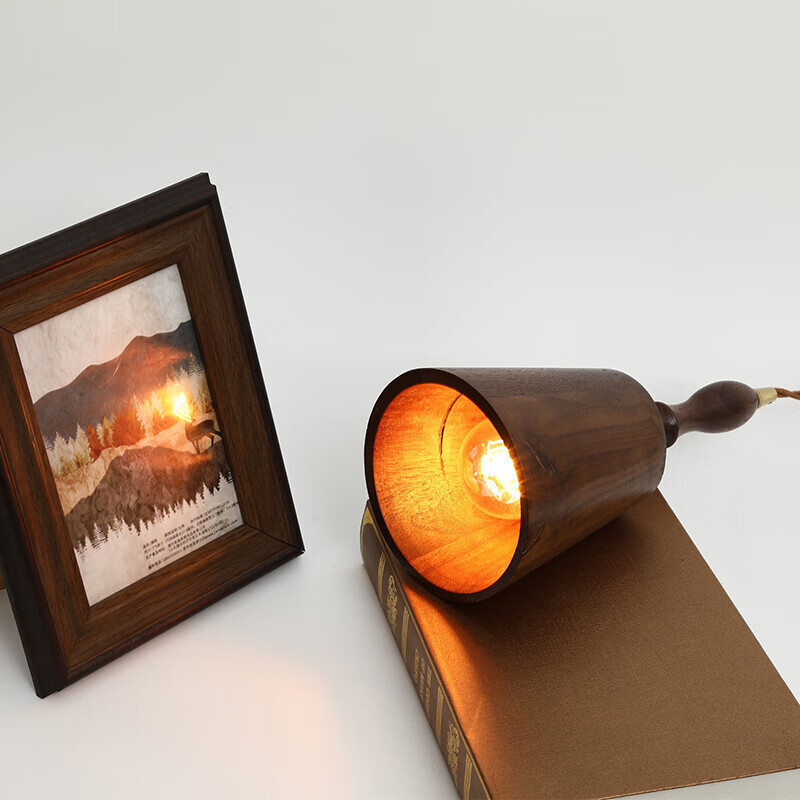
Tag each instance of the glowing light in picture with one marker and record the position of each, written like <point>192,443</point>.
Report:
<point>181,408</point>
<point>494,471</point>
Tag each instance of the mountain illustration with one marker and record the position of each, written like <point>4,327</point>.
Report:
<point>102,389</point>
<point>143,481</point>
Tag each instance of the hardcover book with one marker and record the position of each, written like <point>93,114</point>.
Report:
<point>620,667</point>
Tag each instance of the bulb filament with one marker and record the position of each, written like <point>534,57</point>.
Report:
<point>494,472</point>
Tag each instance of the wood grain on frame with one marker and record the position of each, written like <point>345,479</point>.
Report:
<point>63,637</point>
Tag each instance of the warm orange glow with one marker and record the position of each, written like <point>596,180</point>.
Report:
<point>181,408</point>
<point>446,520</point>
<point>494,471</point>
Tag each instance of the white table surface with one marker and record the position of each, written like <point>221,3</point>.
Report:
<point>607,184</point>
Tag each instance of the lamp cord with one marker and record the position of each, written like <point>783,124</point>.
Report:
<point>787,393</point>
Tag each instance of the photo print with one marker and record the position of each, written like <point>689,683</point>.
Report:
<point>122,400</point>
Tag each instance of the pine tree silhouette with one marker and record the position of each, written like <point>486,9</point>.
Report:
<point>108,432</point>
<point>127,428</point>
<point>95,445</point>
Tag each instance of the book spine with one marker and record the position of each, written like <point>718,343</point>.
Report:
<point>456,751</point>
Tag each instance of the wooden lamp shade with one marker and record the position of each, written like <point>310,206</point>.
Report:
<point>586,444</point>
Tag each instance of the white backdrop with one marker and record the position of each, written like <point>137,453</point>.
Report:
<point>416,184</point>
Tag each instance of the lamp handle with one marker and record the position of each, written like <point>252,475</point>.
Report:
<point>716,408</point>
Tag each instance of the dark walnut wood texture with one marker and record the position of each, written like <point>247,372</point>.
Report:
<point>586,443</point>
<point>63,637</point>
<point>716,408</point>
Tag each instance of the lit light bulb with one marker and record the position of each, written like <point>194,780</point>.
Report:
<point>181,408</point>
<point>489,473</point>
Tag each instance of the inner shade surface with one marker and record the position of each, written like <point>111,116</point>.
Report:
<point>423,499</point>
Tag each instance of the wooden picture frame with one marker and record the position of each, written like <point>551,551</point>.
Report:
<point>63,635</point>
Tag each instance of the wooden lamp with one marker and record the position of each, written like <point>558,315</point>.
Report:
<point>478,476</point>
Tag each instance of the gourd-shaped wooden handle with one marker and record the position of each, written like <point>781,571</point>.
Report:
<point>715,408</point>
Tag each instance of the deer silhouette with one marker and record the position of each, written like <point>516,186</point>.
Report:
<point>196,432</point>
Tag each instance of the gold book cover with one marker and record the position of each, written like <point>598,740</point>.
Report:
<point>618,668</point>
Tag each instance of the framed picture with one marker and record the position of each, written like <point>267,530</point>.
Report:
<point>141,475</point>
